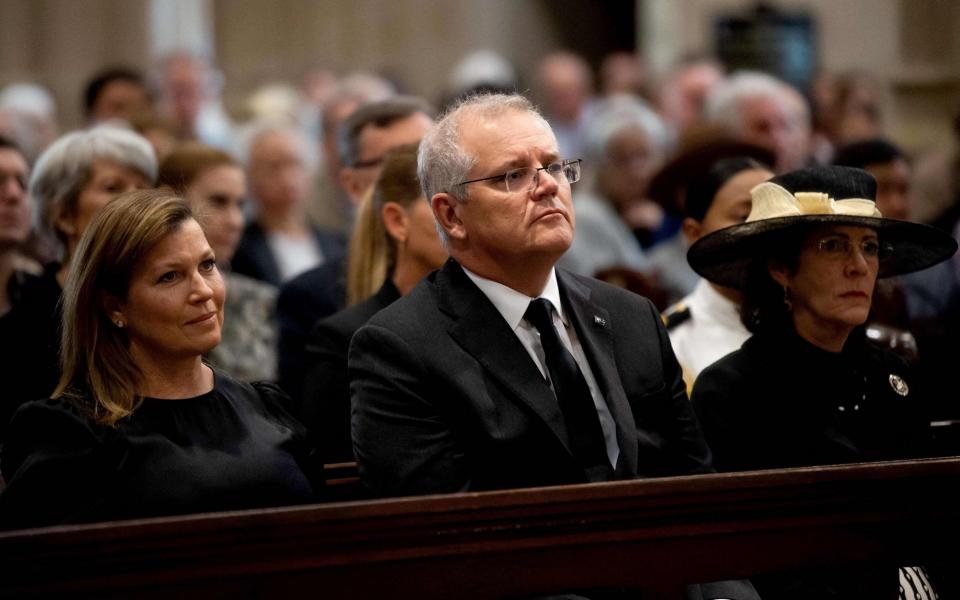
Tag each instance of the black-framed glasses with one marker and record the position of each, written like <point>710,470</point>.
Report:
<point>841,248</point>
<point>525,179</point>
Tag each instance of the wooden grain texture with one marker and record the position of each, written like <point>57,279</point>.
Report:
<point>654,534</point>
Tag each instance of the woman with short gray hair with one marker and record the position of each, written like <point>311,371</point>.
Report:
<point>625,145</point>
<point>80,172</point>
<point>73,179</point>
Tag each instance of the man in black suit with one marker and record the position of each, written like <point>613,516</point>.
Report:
<point>452,386</point>
<point>498,370</point>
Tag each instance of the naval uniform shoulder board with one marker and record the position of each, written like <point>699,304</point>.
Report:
<point>676,314</point>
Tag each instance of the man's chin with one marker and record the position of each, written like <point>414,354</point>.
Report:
<point>557,244</point>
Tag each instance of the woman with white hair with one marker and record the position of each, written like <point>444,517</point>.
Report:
<point>625,146</point>
<point>72,180</point>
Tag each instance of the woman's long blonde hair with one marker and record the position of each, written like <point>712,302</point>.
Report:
<point>98,371</point>
<point>372,252</point>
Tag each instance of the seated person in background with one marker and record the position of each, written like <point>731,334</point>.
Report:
<point>625,144</point>
<point>216,187</point>
<point>15,230</point>
<point>116,94</point>
<point>760,109</point>
<point>281,243</point>
<point>705,325</point>
<point>139,426</point>
<point>500,371</point>
<point>809,388</point>
<point>395,243</point>
<point>363,139</point>
<point>72,180</point>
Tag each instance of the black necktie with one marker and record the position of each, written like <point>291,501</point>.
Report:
<point>573,394</point>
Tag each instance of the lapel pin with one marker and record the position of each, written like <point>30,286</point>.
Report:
<point>599,321</point>
<point>899,385</point>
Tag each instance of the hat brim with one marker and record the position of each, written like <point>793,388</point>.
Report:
<point>724,256</point>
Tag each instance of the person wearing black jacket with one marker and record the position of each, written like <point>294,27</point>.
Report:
<point>808,388</point>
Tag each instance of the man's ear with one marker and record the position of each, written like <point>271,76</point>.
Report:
<point>692,230</point>
<point>445,211</point>
<point>395,221</point>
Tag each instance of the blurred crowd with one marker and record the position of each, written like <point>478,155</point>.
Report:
<point>284,183</point>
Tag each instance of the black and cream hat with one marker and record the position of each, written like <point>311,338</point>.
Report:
<point>816,195</point>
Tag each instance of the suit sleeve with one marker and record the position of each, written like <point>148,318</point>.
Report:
<point>403,442</point>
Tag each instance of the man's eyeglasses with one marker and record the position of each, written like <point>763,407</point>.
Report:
<point>525,179</point>
<point>841,248</point>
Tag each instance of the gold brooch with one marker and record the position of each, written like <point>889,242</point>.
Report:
<point>899,385</point>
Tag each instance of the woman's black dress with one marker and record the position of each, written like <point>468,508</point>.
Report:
<point>782,402</point>
<point>234,447</point>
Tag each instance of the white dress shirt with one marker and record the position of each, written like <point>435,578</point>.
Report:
<point>512,305</point>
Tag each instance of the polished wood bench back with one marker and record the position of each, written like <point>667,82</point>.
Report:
<point>656,533</point>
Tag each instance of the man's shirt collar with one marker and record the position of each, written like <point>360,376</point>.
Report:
<point>513,304</point>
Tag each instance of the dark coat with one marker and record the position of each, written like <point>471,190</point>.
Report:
<point>254,258</point>
<point>303,301</point>
<point>326,387</point>
<point>781,402</point>
<point>30,344</point>
<point>445,397</point>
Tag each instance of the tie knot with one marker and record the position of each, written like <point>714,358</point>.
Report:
<point>539,315</point>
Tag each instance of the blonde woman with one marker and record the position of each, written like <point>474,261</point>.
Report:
<point>394,245</point>
<point>139,425</point>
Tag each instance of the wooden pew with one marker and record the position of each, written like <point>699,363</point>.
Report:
<point>657,534</point>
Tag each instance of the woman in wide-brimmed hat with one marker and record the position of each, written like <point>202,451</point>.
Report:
<point>809,388</point>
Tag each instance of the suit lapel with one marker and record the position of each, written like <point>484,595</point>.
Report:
<point>481,330</point>
<point>595,329</point>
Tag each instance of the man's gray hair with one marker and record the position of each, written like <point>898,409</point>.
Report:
<point>378,114</point>
<point>614,116</point>
<point>723,105</point>
<point>66,166</point>
<point>441,162</point>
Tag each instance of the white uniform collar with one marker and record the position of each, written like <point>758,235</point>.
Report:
<point>706,298</point>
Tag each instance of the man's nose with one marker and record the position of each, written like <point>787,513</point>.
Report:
<point>545,183</point>
<point>10,189</point>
